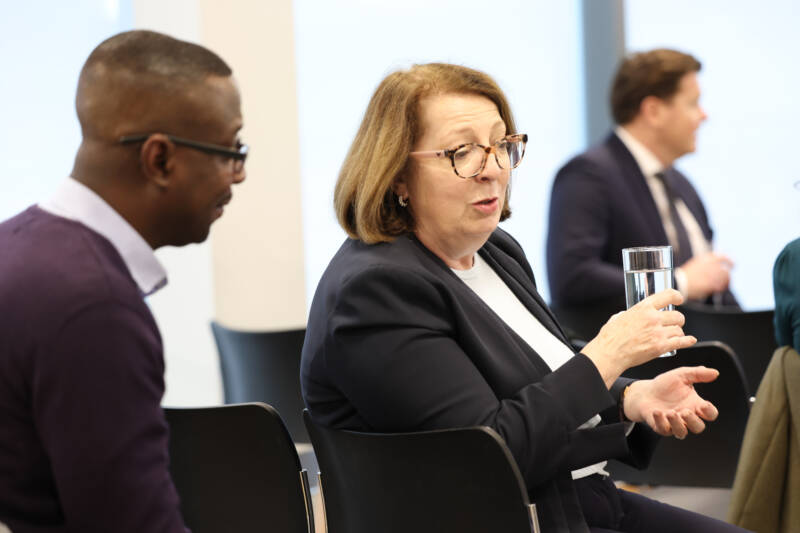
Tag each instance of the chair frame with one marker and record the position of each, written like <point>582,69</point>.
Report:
<point>730,326</point>
<point>371,449</point>
<point>202,475</point>
<point>263,366</point>
<point>674,462</point>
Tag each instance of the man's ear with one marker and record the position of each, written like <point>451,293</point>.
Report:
<point>157,159</point>
<point>652,110</point>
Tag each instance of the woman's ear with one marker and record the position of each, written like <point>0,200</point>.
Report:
<point>400,186</point>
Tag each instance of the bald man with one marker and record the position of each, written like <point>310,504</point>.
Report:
<point>83,444</point>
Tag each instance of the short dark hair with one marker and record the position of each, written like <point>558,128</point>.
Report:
<point>152,54</point>
<point>654,73</point>
<point>152,73</point>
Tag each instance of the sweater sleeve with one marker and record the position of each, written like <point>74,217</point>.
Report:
<point>96,396</point>
<point>391,350</point>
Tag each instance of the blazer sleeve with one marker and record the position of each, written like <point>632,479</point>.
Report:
<point>578,236</point>
<point>391,349</point>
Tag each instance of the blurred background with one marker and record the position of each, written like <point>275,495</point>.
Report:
<point>307,68</point>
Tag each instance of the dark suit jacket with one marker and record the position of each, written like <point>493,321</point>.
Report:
<point>397,342</point>
<point>600,203</point>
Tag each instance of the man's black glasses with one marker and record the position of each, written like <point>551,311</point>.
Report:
<point>238,154</point>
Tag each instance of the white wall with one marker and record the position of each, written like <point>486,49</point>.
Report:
<point>344,49</point>
<point>42,48</point>
<point>258,244</point>
<point>746,161</point>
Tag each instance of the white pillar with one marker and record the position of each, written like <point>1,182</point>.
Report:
<point>258,244</point>
<point>250,274</point>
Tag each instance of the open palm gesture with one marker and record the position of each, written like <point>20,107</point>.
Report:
<point>669,404</point>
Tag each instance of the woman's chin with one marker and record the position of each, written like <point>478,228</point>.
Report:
<point>485,228</point>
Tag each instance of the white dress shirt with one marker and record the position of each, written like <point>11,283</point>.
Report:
<point>75,201</point>
<point>485,282</point>
<point>650,166</point>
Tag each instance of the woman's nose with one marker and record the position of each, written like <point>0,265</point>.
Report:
<point>491,170</point>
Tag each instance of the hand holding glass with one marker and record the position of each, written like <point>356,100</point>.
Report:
<point>648,270</point>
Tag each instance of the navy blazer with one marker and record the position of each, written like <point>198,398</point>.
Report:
<point>397,342</point>
<point>600,203</point>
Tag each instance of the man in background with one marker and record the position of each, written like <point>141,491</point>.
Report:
<point>83,445</point>
<point>624,192</point>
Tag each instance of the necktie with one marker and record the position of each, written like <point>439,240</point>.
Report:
<point>682,247</point>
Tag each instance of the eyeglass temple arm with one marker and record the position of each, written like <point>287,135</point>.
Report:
<point>430,153</point>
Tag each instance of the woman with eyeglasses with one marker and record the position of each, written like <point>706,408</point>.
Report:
<point>428,316</point>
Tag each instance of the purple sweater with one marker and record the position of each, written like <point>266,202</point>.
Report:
<point>83,439</point>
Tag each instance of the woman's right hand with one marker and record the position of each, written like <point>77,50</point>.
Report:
<point>638,335</point>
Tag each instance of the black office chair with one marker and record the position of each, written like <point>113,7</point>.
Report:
<point>236,470</point>
<point>264,367</point>
<point>581,323</point>
<point>750,334</point>
<point>462,480</point>
<point>710,458</point>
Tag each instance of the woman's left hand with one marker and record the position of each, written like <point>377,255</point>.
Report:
<point>669,404</point>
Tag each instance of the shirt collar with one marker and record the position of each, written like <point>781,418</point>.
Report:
<point>647,161</point>
<point>76,201</point>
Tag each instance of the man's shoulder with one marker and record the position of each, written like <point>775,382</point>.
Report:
<point>793,247</point>
<point>61,260</point>
<point>600,160</point>
<point>789,258</point>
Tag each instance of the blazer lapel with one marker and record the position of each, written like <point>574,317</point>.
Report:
<point>689,198</point>
<point>636,183</point>
<point>515,278</point>
<point>523,288</point>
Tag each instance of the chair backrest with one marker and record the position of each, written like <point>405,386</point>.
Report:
<point>583,322</point>
<point>264,367</point>
<point>461,480</point>
<point>236,470</point>
<point>708,459</point>
<point>750,334</point>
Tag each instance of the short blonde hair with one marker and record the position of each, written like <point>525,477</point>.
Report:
<point>363,199</point>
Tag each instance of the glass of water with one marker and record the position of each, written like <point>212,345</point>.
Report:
<point>648,270</point>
